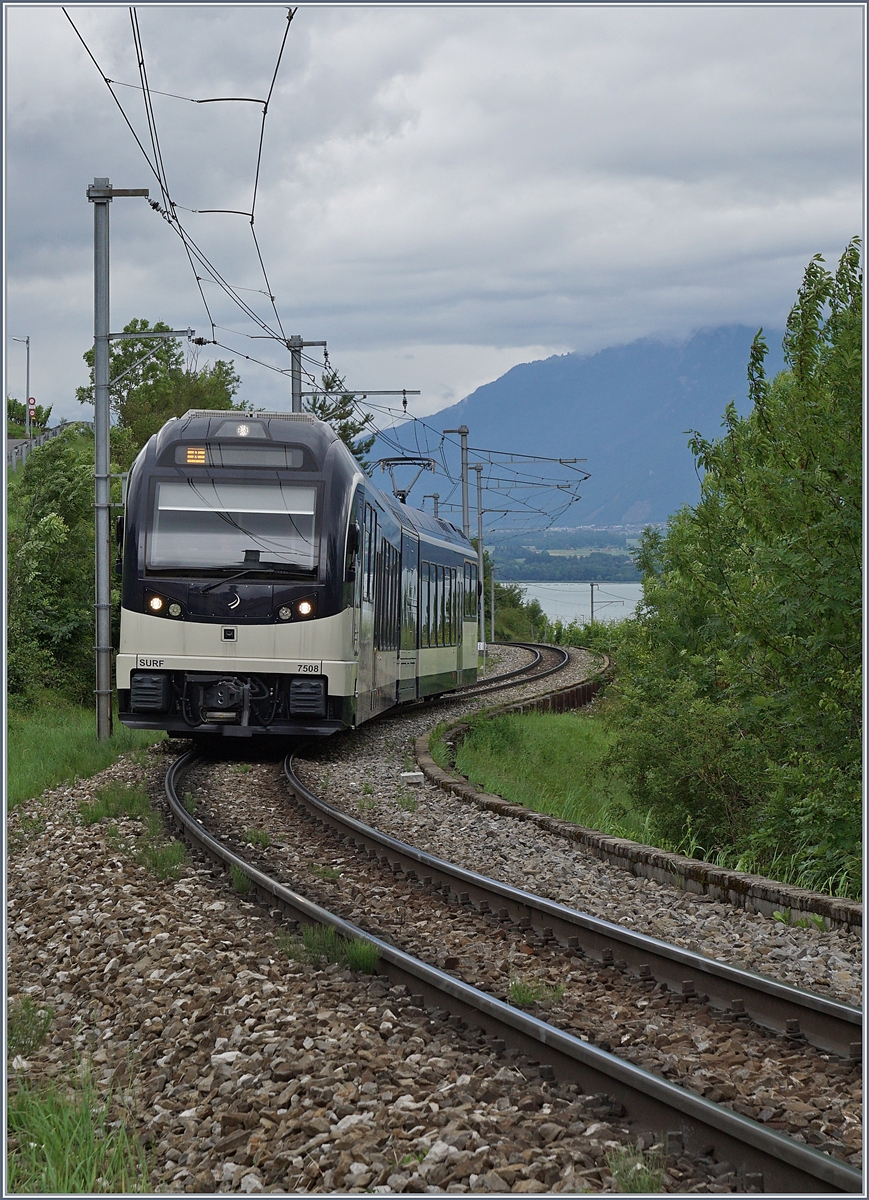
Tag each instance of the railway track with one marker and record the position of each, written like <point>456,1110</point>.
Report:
<point>768,1158</point>
<point>545,661</point>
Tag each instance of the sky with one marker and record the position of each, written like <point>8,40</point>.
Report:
<point>444,191</point>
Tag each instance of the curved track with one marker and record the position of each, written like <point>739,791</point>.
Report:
<point>825,1023</point>
<point>769,1159</point>
<point>532,671</point>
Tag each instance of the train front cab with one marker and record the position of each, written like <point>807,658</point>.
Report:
<point>239,651</point>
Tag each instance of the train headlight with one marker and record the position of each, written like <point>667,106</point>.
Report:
<point>285,613</point>
<point>174,609</point>
<point>305,608</point>
<point>155,603</point>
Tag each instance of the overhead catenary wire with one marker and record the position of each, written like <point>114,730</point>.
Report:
<point>164,183</point>
<point>522,473</point>
<point>507,473</point>
<point>169,209</point>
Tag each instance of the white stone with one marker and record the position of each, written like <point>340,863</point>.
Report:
<point>351,1120</point>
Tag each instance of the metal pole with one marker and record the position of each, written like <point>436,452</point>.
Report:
<point>100,195</point>
<point>478,467</point>
<point>591,585</point>
<point>26,341</point>
<point>466,515</point>
<point>294,345</point>
<point>27,388</point>
<point>102,481</point>
<point>492,581</point>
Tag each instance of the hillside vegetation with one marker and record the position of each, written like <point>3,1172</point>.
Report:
<point>737,701</point>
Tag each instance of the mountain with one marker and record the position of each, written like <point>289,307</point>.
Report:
<point>627,410</point>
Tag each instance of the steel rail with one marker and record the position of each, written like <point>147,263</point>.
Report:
<point>483,687</point>
<point>769,1157</point>
<point>827,1024</point>
<point>523,670</point>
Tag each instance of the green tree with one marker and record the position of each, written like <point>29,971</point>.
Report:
<point>134,363</point>
<point>145,394</point>
<point>50,570</point>
<point>16,416</point>
<point>740,679</point>
<point>337,408</point>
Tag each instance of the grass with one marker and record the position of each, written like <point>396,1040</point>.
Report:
<point>407,802</point>
<point>240,881</point>
<point>27,1027</point>
<point>636,1170</point>
<point>367,789</point>
<point>319,942</point>
<point>257,837</point>
<point>162,856</point>
<point>526,992</point>
<point>325,872</point>
<point>116,800</point>
<point>809,921</point>
<point>52,741</point>
<point>62,1140</point>
<point>551,763</point>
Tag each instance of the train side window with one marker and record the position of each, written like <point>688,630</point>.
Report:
<point>442,640</point>
<point>448,604</point>
<point>370,536</point>
<point>453,598</point>
<point>351,551</point>
<point>470,591</point>
<point>423,604</point>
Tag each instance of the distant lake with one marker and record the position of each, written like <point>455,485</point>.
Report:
<point>572,601</point>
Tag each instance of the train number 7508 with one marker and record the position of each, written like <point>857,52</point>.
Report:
<point>309,668</point>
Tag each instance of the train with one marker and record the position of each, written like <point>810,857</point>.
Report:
<point>269,588</point>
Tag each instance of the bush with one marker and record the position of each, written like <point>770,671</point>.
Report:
<point>50,584</point>
<point>737,700</point>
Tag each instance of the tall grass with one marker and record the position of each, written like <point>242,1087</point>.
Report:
<point>53,741</point>
<point>26,1026</point>
<point>558,764</point>
<point>552,763</point>
<point>62,1140</point>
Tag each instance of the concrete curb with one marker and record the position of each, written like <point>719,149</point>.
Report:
<point>752,892</point>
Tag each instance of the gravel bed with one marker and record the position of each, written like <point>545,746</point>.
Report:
<point>781,1082</point>
<point>825,961</point>
<point>243,1070</point>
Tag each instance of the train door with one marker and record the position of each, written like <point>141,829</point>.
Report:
<point>408,655</point>
<point>365,618</point>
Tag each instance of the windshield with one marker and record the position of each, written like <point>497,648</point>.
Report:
<point>205,523</point>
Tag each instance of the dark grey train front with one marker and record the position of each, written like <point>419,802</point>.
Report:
<point>270,588</point>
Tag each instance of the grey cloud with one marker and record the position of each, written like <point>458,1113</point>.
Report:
<point>501,177</point>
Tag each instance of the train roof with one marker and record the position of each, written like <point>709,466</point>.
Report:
<point>423,522</point>
<point>206,423</point>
